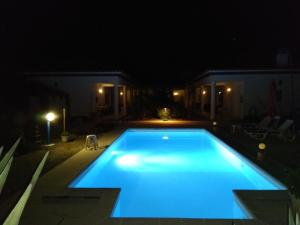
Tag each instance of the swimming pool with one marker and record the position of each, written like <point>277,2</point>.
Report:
<point>175,173</point>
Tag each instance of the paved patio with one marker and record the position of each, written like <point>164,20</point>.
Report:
<point>53,203</point>
<point>154,123</point>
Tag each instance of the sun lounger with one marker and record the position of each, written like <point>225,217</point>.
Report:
<point>263,123</point>
<point>266,123</point>
<point>285,131</point>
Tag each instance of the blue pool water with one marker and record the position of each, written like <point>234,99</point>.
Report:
<point>174,173</point>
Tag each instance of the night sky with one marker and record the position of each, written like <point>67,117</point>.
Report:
<point>148,41</point>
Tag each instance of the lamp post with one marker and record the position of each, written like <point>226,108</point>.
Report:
<point>49,117</point>
<point>64,120</point>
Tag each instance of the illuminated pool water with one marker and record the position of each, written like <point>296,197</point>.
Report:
<point>174,173</point>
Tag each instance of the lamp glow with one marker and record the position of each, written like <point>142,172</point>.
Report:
<point>262,146</point>
<point>128,160</point>
<point>220,92</point>
<point>228,89</point>
<point>50,116</point>
<point>175,93</point>
<point>100,90</point>
<point>214,123</point>
<point>204,92</point>
<point>121,93</point>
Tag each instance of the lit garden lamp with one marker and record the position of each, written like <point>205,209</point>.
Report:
<point>261,151</point>
<point>214,123</point>
<point>49,117</point>
<point>164,114</point>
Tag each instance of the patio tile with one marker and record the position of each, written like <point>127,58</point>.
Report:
<point>218,222</point>
<point>46,220</point>
<point>163,221</point>
<point>111,221</point>
<point>192,222</point>
<point>91,221</point>
<point>249,222</point>
<point>140,221</point>
<point>75,221</point>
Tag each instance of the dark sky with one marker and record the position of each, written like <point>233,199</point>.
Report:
<point>148,41</point>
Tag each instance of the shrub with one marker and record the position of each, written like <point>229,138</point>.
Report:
<point>65,133</point>
<point>294,181</point>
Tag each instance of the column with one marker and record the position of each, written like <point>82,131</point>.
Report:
<point>186,98</point>
<point>116,100</point>
<point>203,96</point>
<point>94,93</point>
<point>124,100</point>
<point>213,100</point>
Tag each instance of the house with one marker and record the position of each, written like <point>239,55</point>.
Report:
<point>216,94</point>
<point>104,94</point>
<point>237,94</point>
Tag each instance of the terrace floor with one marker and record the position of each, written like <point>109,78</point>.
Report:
<point>49,205</point>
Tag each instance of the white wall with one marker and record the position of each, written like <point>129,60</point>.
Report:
<point>256,90</point>
<point>232,100</point>
<point>81,90</point>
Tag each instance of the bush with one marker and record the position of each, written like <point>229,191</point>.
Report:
<point>65,133</point>
<point>143,106</point>
<point>178,111</point>
<point>294,181</point>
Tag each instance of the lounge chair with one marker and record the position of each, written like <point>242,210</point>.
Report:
<point>285,131</point>
<point>265,123</point>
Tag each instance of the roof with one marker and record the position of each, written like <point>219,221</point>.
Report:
<point>80,73</point>
<point>246,72</point>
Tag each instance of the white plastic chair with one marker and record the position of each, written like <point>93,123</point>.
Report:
<point>91,142</point>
